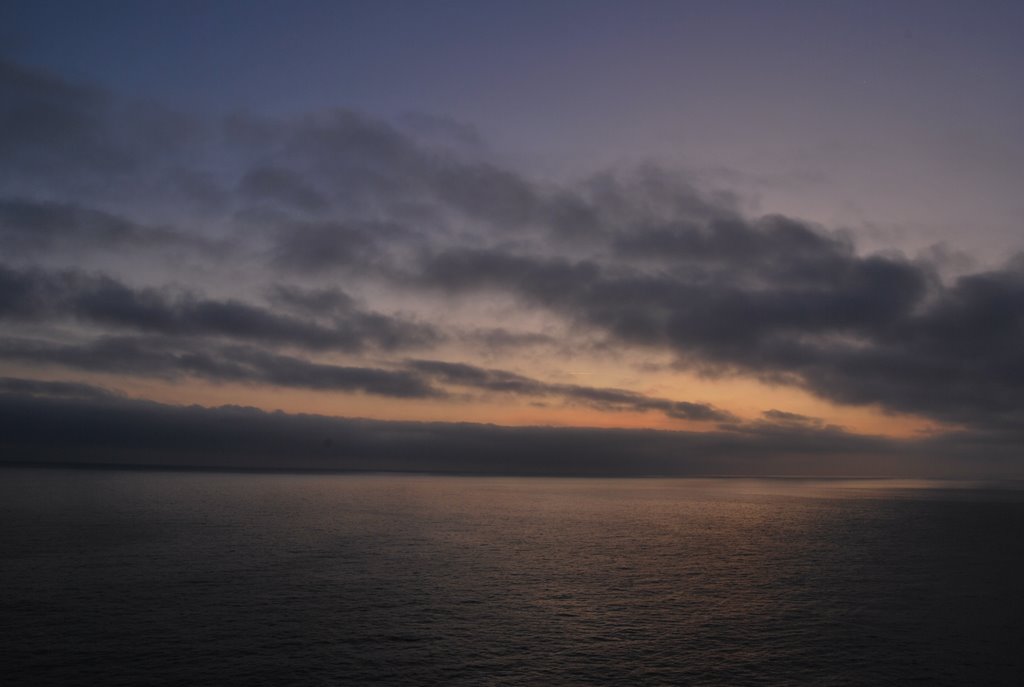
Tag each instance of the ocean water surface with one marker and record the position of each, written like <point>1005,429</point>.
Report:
<point>184,578</point>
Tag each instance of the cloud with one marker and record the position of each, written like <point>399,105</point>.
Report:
<point>30,227</point>
<point>282,186</point>
<point>77,139</point>
<point>787,418</point>
<point>46,121</point>
<point>175,359</point>
<point>55,389</point>
<point>876,329</point>
<point>34,294</point>
<point>149,357</point>
<point>500,338</point>
<point>317,302</point>
<point>305,247</point>
<point>39,429</point>
<point>605,399</point>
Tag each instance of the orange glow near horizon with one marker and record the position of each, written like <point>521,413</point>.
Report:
<point>746,398</point>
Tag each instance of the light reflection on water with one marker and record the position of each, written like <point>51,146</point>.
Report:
<point>128,577</point>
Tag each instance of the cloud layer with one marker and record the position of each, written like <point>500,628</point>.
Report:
<point>339,252</point>
<point>98,428</point>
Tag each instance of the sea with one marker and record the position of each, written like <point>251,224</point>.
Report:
<point>148,577</point>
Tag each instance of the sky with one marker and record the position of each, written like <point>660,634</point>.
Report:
<point>514,237</point>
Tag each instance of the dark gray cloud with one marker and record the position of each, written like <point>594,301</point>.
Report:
<point>773,247</point>
<point>372,172</point>
<point>287,371</point>
<point>360,165</point>
<point>159,357</point>
<point>69,430</point>
<point>855,329</point>
<point>487,192</point>
<point>306,247</point>
<point>784,417</point>
<point>82,140</point>
<point>47,122</point>
<point>33,294</point>
<point>282,186</point>
<point>605,399</point>
<point>30,227</point>
<point>500,339</point>
<point>319,302</point>
<point>776,423</point>
<point>55,389</point>
<point>177,359</point>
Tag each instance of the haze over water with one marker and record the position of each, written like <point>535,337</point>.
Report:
<point>147,577</point>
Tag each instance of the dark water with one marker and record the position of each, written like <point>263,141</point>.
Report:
<point>183,578</point>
